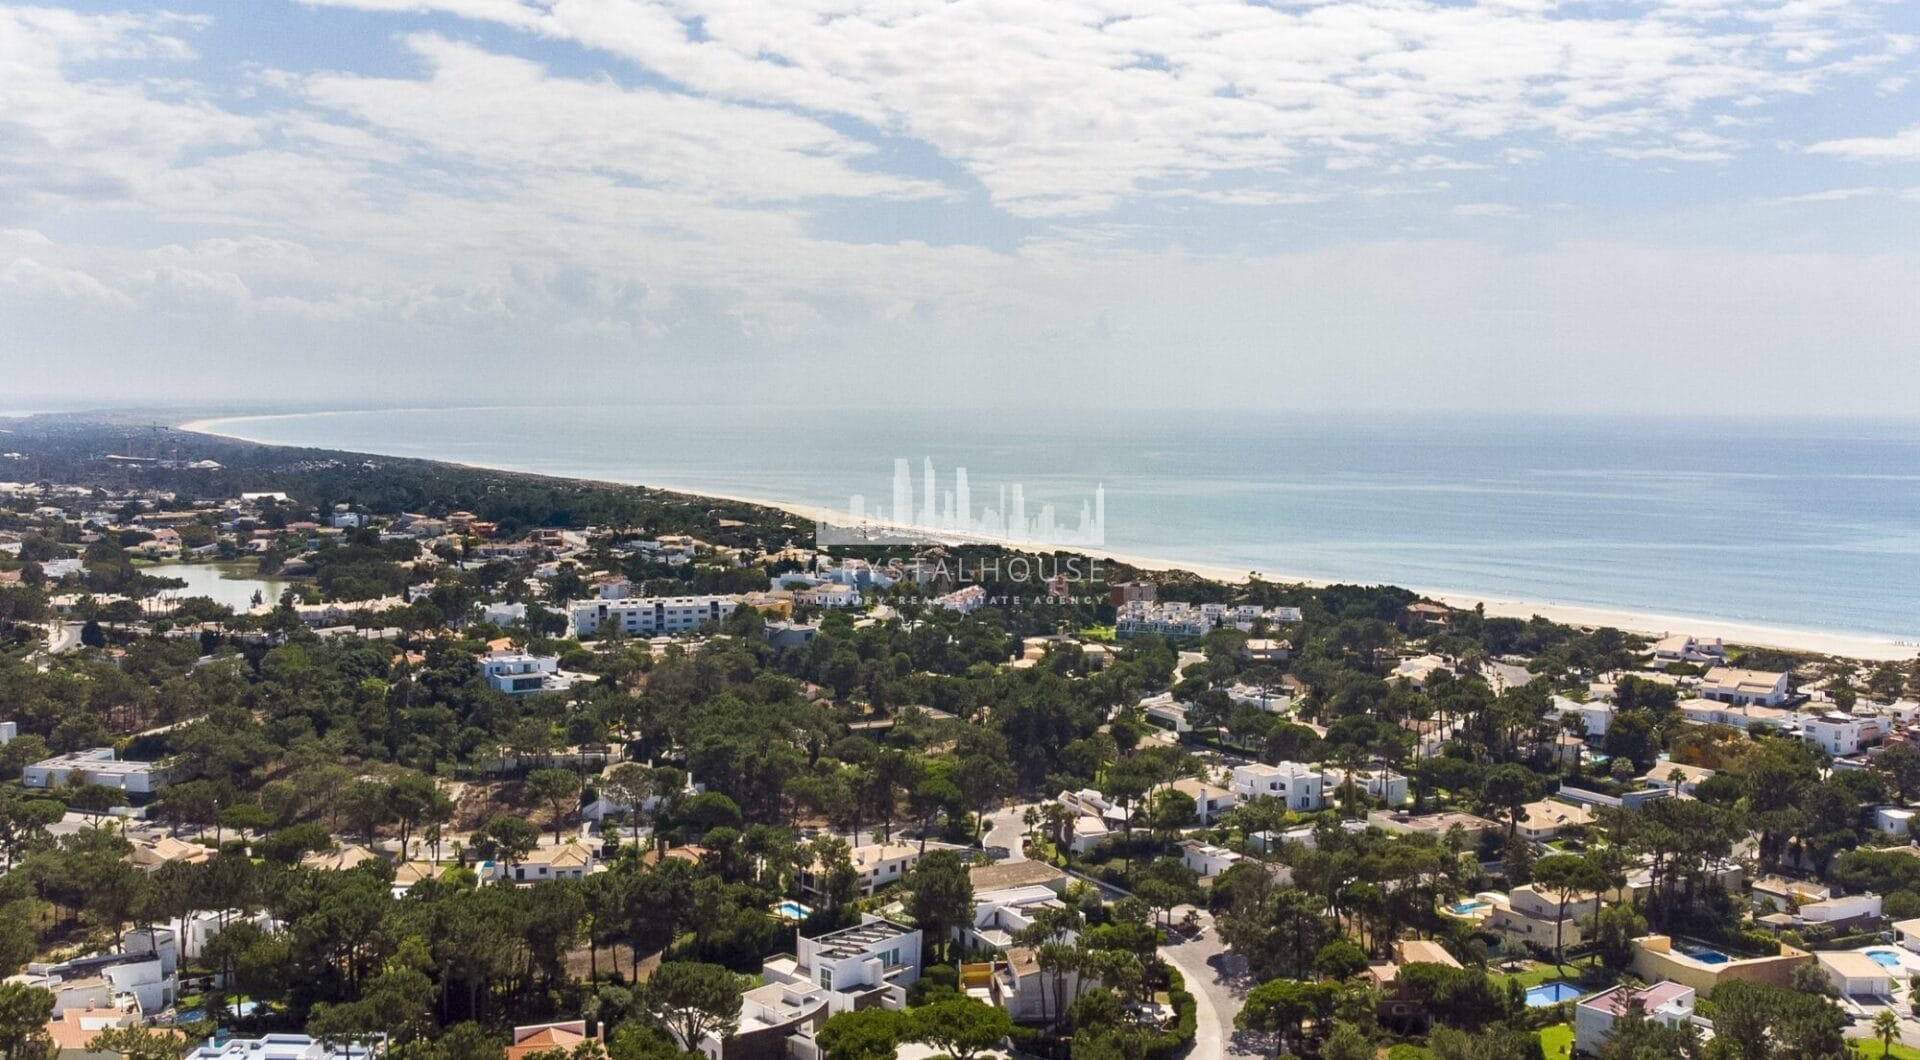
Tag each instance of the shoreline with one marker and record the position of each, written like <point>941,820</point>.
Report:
<point>1863,646</point>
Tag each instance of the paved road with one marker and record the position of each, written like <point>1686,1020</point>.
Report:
<point>1007,828</point>
<point>1217,979</point>
<point>63,637</point>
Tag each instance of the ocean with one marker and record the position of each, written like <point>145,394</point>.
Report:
<point>1804,525</point>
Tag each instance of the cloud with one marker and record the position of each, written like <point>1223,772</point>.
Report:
<point>1903,146</point>
<point>1486,209</point>
<point>1075,107</point>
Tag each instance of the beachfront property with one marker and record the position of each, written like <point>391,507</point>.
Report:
<point>649,615</point>
<point>1175,619</point>
<point>1594,1017</point>
<point>1841,734</point>
<point>1300,787</point>
<point>101,767</point>
<point>1727,684</point>
<point>1684,648</point>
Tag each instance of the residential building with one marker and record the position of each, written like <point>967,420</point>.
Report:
<point>1893,820</point>
<point>282,1047</point>
<point>965,600</point>
<point>1030,995</point>
<point>1545,819</point>
<point>1841,734</point>
<point>1593,1018</point>
<point>1399,1007</point>
<point>1727,684</point>
<point>1907,934</point>
<point>1682,648</point>
<point>1854,974</point>
<point>71,1029</point>
<point>878,864</point>
<point>869,964</point>
<point>547,1037</point>
<point>1300,787</point>
<point>101,767</point>
<point>1675,777</point>
<point>1266,650</point>
<point>1206,859</point>
<point>649,615</point>
<point>568,861</point>
<point>1210,801</point>
<point>1596,714</point>
<point>1471,826</point>
<point>1525,915</point>
<point>829,596</point>
<point>517,673</point>
<point>999,916</point>
<point>1385,785</point>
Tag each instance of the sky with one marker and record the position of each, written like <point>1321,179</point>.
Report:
<point>1684,206</point>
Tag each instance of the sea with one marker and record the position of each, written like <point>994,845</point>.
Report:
<point>1792,524</point>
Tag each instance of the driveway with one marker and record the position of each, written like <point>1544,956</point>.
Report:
<point>1218,981</point>
<point>1007,828</point>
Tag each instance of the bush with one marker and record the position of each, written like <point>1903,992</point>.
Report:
<point>1186,1021</point>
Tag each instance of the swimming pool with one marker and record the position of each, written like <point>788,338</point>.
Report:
<point>788,909</point>
<point>1551,994</point>
<point>1468,908</point>
<point>1710,956</point>
<point>1885,958</point>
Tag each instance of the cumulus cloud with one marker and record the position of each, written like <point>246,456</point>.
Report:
<point>1903,146</point>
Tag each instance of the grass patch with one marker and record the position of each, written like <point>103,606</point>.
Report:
<point>1870,1050</point>
<point>1408,1051</point>
<point>1556,1040</point>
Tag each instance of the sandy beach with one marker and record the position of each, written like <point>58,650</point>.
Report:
<point>1850,645</point>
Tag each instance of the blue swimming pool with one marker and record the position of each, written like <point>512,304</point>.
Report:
<point>788,909</point>
<point>1885,958</point>
<point>1551,994</point>
<point>1709,956</point>
<point>1468,908</point>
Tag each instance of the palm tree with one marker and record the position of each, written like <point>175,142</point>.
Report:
<point>1885,1026</point>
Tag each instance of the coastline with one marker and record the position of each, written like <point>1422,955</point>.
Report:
<point>1868,647</point>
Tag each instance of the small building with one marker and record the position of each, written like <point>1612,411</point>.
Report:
<point>1893,820</point>
<point>1683,648</point>
<point>1854,974</point>
<point>1210,801</point>
<point>282,1047</point>
<point>1547,818</point>
<point>1206,859</point>
<point>1593,1018</point>
<point>1907,934</point>
<point>1386,785</point>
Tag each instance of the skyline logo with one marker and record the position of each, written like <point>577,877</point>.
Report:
<point>947,515</point>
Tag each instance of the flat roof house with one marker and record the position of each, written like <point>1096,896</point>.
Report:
<point>1855,974</point>
<point>101,767</point>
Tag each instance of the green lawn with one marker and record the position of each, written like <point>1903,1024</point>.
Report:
<point>1870,1050</point>
<point>1538,973</point>
<point>1556,1041</point>
<point>1405,1051</point>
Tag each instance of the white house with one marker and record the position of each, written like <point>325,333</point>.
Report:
<point>281,1047</point>
<point>517,673</point>
<point>99,766</point>
<point>569,861</point>
<point>1593,1018</point>
<point>1682,648</point>
<point>829,596</point>
<point>878,865</point>
<point>504,614</point>
<point>1855,974</point>
<point>1300,787</point>
<point>965,600</point>
<point>1597,714</point>
<point>1848,907</point>
<point>869,964</point>
<point>1907,934</point>
<point>1663,776</point>
<point>1206,859</point>
<point>999,916</point>
<point>649,615</point>
<point>1840,734</point>
<point>1210,801</point>
<point>1893,820</point>
<point>1383,784</point>
<point>1727,684</point>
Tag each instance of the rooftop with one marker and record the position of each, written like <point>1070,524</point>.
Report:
<point>859,939</point>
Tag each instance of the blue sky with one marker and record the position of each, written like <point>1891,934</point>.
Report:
<point>1693,205</point>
